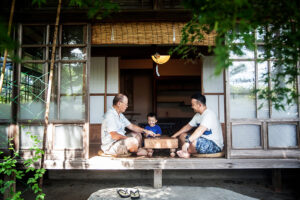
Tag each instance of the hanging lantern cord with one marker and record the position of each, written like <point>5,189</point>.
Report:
<point>157,70</point>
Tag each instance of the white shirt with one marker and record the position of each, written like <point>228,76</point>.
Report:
<point>209,120</point>
<point>112,122</point>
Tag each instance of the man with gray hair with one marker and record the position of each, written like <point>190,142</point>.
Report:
<point>115,141</point>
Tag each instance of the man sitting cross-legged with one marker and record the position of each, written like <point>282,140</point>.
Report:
<point>115,141</point>
<point>207,138</point>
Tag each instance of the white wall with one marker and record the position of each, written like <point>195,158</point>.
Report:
<point>97,85</point>
<point>213,84</point>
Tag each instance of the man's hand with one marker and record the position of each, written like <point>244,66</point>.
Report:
<point>184,129</point>
<point>157,135</point>
<point>185,147</point>
<point>149,133</point>
<point>116,136</point>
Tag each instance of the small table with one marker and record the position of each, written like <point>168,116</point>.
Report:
<point>161,143</point>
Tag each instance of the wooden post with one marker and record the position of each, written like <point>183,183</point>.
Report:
<point>49,89</point>
<point>157,183</point>
<point>276,180</point>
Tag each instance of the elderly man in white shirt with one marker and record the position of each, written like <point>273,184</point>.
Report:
<point>115,141</point>
<point>207,138</point>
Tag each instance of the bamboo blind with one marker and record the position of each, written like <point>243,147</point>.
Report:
<point>142,33</point>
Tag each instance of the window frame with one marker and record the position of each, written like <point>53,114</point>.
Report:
<point>263,122</point>
<point>58,62</point>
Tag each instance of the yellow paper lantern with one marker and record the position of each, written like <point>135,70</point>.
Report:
<point>160,59</point>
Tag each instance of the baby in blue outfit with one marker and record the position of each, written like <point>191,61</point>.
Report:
<point>152,126</point>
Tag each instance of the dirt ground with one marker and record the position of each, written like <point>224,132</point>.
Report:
<point>82,189</point>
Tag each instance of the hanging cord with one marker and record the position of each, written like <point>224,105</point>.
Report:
<point>157,70</point>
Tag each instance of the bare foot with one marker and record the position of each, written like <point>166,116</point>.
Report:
<point>183,154</point>
<point>150,152</point>
<point>142,152</point>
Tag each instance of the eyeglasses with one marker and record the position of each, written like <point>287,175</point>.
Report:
<point>126,104</point>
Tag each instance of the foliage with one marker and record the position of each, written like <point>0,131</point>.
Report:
<point>6,42</point>
<point>96,9</point>
<point>277,24</point>
<point>9,167</point>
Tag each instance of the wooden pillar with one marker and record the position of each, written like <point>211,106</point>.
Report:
<point>276,180</point>
<point>157,183</point>
<point>154,89</point>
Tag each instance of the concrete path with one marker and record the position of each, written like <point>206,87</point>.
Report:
<point>173,193</point>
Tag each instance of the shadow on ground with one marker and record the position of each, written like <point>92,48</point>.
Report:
<point>82,190</point>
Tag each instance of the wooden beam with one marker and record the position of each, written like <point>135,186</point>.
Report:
<point>157,182</point>
<point>77,16</point>
<point>259,153</point>
<point>108,163</point>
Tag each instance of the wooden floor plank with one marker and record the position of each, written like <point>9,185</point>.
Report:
<point>108,163</point>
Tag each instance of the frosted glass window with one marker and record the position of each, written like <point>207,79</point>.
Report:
<point>72,107</point>
<point>4,137</point>
<point>109,102</point>
<point>112,75</point>
<point>68,136</point>
<point>246,136</point>
<point>33,110</point>
<point>97,75</point>
<point>290,111</point>
<point>32,91</point>
<point>247,54</point>
<point>26,131</point>
<point>5,110</point>
<point>96,109</point>
<point>71,78</point>
<point>6,94</point>
<point>72,100</point>
<point>282,135</point>
<point>260,52</point>
<point>263,104</point>
<point>211,82</point>
<point>242,83</point>
<point>53,110</point>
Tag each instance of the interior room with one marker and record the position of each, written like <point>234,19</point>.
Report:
<point>164,89</point>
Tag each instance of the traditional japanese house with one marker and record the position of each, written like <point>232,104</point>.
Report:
<point>96,59</point>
